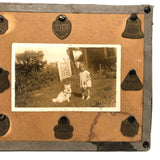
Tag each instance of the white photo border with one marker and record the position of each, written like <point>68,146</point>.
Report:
<point>72,109</point>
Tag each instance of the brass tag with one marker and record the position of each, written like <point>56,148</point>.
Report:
<point>4,82</point>
<point>4,124</point>
<point>61,27</point>
<point>130,127</point>
<point>3,25</point>
<point>131,82</point>
<point>133,28</point>
<point>63,130</point>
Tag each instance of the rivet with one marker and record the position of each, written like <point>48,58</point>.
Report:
<point>62,18</point>
<point>147,9</point>
<point>63,120</point>
<point>146,144</point>
<point>132,72</point>
<point>1,69</point>
<point>1,18</point>
<point>133,17</point>
<point>131,119</point>
<point>2,117</point>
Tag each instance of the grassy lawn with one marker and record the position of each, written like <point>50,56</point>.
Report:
<point>103,94</point>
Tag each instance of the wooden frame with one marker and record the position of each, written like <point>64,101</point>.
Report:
<point>144,144</point>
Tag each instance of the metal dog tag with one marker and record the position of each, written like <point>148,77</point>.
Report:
<point>4,124</point>
<point>4,82</point>
<point>3,24</point>
<point>63,130</point>
<point>131,82</point>
<point>61,27</point>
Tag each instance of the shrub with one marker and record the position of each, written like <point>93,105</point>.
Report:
<point>32,72</point>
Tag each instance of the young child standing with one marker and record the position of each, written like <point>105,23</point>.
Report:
<point>85,81</point>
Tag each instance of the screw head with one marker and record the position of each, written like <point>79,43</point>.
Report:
<point>1,69</point>
<point>133,16</point>
<point>1,18</point>
<point>63,120</point>
<point>132,72</point>
<point>62,18</point>
<point>131,119</point>
<point>2,117</point>
<point>147,9</point>
<point>146,144</point>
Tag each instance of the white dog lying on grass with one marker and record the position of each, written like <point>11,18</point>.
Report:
<point>64,95</point>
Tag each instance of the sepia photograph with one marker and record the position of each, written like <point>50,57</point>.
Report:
<point>65,77</point>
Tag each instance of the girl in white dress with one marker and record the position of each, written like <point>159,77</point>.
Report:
<point>85,81</point>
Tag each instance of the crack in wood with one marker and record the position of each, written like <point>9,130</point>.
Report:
<point>93,125</point>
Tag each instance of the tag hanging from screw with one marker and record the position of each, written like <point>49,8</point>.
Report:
<point>4,82</point>
<point>4,124</point>
<point>130,127</point>
<point>3,24</point>
<point>61,27</point>
<point>133,28</point>
<point>131,82</point>
<point>63,130</point>
<point>147,9</point>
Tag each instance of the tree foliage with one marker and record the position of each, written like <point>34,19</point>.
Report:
<point>32,72</point>
<point>30,61</point>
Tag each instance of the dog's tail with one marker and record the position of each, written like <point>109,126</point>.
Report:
<point>54,100</point>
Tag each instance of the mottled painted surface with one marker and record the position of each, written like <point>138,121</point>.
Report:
<point>86,29</point>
